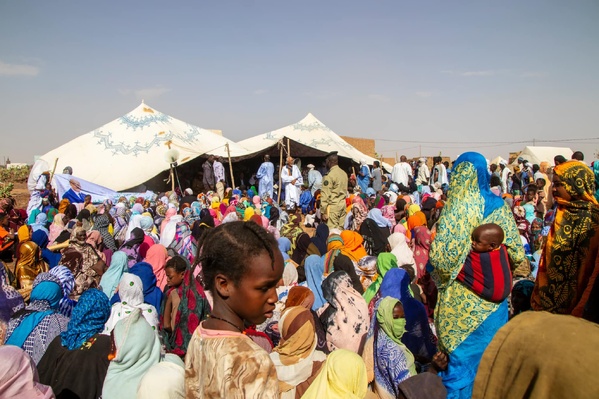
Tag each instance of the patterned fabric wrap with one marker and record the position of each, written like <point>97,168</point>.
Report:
<point>393,362</point>
<point>67,282</point>
<point>193,308</point>
<point>422,246</point>
<point>40,324</point>
<point>184,243</point>
<point>459,311</point>
<point>418,338</point>
<point>101,224</point>
<point>568,259</point>
<point>384,262</point>
<point>10,299</point>
<point>488,274</point>
<point>346,320</point>
<point>88,318</point>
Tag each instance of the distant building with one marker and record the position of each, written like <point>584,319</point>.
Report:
<point>365,146</point>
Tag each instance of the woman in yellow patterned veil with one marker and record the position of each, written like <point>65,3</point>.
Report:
<point>567,266</point>
<point>465,322</point>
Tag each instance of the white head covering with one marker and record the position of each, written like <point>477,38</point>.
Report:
<point>132,298</point>
<point>401,250</point>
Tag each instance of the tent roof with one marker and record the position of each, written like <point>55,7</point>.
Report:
<point>132,149</point>
<point>497,160</point>
<point>536,155</point>
<point>310,138</point>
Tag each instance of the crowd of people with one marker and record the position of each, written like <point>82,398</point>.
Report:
<point>455,282</point>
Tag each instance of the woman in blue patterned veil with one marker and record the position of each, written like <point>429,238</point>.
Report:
<point>465,322</point>
<point>392,361</point>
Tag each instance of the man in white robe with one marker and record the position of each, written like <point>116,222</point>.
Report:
<point>292,180</point>
<point>265,177</point>
<point>36,184</point>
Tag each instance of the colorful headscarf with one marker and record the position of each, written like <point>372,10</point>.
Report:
<point>88,318</point>
<point>129,298</point>
<point>376,215</point>
<point>156,256</point>
<point>418,338</point>
<point>320,237</point>
<point>101,223</point>
<point>353,245</point>
<point>45,297</point>
<point>422,245</point>
<point>314,267</point>
<point>63,205</point>
<point>360,212</point>
<point>300,296</point>
<point>183,243</point>
<point>296,353</point>
<point>417,219</point>
<point>470,204</point>
<point>67,282</point>
<point>19,376</point>
<point>110,280</point>
<point>392,361</point>
<point>343,376</point>
<point>567,266</point>
<point>384,262</point>
<point>137,350</point>
<point>346,319</point>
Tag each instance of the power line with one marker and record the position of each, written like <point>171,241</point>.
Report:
<point>491,142</point>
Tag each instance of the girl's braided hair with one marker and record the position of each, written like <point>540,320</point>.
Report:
<point>227,249</point>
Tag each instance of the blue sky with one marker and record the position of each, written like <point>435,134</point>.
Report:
<point>435,74</point>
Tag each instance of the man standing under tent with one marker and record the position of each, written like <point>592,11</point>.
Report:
<point>265,178</point>
<point>439,173</point>
<point>401,174</point>
<point>219,177</point>
<point>377,176</point>
<point>333,194</point>
<point>208,179</point>
<point>314,179</point>
<point>423,173</point>
<point>292,180</point>
<point>363,176</point>
<point>505,176</point>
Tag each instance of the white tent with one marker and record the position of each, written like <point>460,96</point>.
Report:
<point>497,160</point>
<point>536,155</point>
<point>309,138</point>
<point>132,149</point>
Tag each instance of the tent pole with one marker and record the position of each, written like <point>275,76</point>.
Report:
<point>280,170</point>
<point>53,170</point>
<point>172,179</point>
<point>230,166</point>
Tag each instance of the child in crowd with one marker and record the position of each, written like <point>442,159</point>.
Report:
<point>242,267</point>
<point>541,207</point>
<point>175,271</point>
<point>486,270</point>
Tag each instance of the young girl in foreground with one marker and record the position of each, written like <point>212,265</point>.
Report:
<point>242,266</point>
